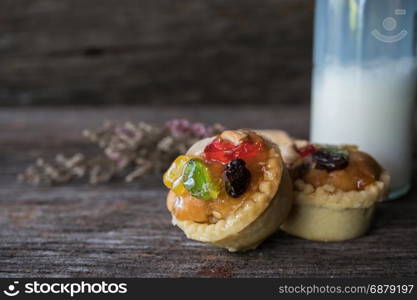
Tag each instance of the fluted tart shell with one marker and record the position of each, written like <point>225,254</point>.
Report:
<point>261,214</point>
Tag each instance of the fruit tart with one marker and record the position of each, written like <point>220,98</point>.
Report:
<point>336,189</point>
<point>232,190</point>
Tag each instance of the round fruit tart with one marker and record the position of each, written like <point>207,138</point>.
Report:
<point>232,190</point>
<point>336,189</point>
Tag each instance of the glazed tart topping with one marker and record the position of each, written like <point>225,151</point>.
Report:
<point>342,167</point>
<point>211,186</point>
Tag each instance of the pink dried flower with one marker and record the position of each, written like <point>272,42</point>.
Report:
<point>182,127</point>
<point>200,130</point>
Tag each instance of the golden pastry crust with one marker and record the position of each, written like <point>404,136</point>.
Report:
<point>330,197</point>
<point>319,223</point>
<point>330,215</point>
<point>260,215</point>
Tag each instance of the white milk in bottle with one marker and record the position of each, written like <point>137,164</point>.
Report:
<point>370,107</point>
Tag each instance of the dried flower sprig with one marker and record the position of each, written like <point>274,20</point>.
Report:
<point>128,150</point>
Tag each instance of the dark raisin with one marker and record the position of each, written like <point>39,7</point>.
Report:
<point>330,160</point>
<point>237,178</point>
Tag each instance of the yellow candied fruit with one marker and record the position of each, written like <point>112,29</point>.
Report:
<point>173,177</point>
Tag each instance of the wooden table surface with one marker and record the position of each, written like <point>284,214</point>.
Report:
<point>124,230</point>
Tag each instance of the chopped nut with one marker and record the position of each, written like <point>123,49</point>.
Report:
<point>217,215</point>
<point>234,136</point>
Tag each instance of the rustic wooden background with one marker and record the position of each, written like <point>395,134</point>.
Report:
<point>184,58</point>
<point>155,52</point>
<point>124,230</point>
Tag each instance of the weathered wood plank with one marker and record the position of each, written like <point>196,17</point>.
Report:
<point>124,230</point>
<point>149,51</point>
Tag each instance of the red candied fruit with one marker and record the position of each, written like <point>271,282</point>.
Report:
<point>307,150</point>
<point>219,150</point>
<point>224,152</point>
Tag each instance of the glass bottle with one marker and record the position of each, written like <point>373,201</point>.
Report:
<point>364,80</point>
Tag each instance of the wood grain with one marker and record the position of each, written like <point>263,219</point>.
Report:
<point>141,52</point>
<point>124,230</point>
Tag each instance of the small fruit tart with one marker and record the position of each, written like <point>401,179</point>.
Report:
<point>232,190</point>
<point>336,189</point>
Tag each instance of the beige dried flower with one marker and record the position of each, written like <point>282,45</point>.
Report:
<point>129,150</point>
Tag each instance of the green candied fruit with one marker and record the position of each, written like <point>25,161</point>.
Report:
<point>335,150</point>
<point>197,180</point>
